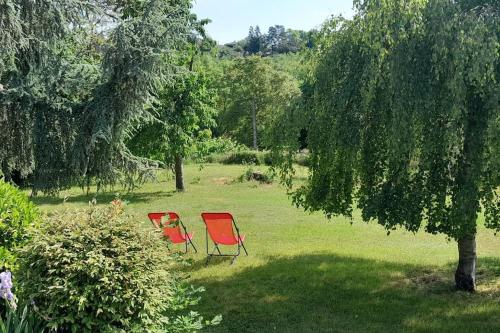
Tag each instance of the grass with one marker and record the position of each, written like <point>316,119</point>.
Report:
<point>308,274</point>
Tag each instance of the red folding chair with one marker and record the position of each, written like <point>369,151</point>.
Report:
<point>172,230</point>
<point>220,228</point>
<point>156,218</point>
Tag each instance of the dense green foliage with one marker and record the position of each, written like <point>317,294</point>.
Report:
<point>184,119</point>
<point>205,150</point>
<point>17,216</point>
<point>75,80</point>
<point>403,119</point>
<point>244,157</point>
<point>255,95</point>
<point>185,109</point>
<point>94,270</point>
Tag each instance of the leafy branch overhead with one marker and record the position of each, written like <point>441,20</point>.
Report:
<point>75,92</point>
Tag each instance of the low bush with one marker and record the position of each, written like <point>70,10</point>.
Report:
<point>248,157</point>
<point>252,157</point>
<point>95,271</point>
<point>262,177</point>
<point>243,157</point>
<point>206,150</point>
<point>302,158</point>
<point>17,216</point>
<point>268,159</point>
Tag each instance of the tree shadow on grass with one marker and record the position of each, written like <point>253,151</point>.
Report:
<point>329,293</point>
<point>106,197</point>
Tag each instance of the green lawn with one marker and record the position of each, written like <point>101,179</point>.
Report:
<point>308,274</point>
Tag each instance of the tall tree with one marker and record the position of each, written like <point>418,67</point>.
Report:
<point>75,115</point>
<point>403,121</point>
<point>254,41</point>
<point>185,108</point>
<point>185,115</point>
<point>256,93</point>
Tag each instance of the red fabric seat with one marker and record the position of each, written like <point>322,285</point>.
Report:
<point>172,229</point>
<point>222,230</point>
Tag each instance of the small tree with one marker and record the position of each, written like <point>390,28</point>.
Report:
<point>188,118</point>
<point>184,116</point>
<point>403,121</point>
<point>185,108</point>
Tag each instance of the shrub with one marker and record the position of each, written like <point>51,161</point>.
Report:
<point>94,271</point>
<point>262,177</point>
<point>17,216</point>
<point>302,158</point>
<point>268,159</point>
<point>252,157</point>
<point>207,150</point>
<point>244,157</point>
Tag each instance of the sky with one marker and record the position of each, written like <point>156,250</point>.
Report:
<point>232,18</point>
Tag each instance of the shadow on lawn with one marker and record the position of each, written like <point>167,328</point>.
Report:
<point>106,197</point>
<point>329,293</point>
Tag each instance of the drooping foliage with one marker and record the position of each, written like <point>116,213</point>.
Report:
<point>403,118</point>
<point>66,111</point>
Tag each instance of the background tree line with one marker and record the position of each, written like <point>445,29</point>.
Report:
<point>278,40</point>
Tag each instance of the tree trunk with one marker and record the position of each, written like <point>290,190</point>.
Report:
<point>254,126</point>
<point>465,276</point>
<point>179,174</point>
<point>6,172</point>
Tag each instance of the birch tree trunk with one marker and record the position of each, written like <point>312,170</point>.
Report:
<point>465,276</point>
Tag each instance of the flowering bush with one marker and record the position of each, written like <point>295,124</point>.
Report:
<point>12,319</point>
<point>6,287</point>
<point>94,271</point>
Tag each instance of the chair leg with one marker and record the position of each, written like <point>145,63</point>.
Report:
<point>244,249</point>
<point>215,248</point>
<point>194,247</point>
<point>209,255</point>
<point>234,259</point>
